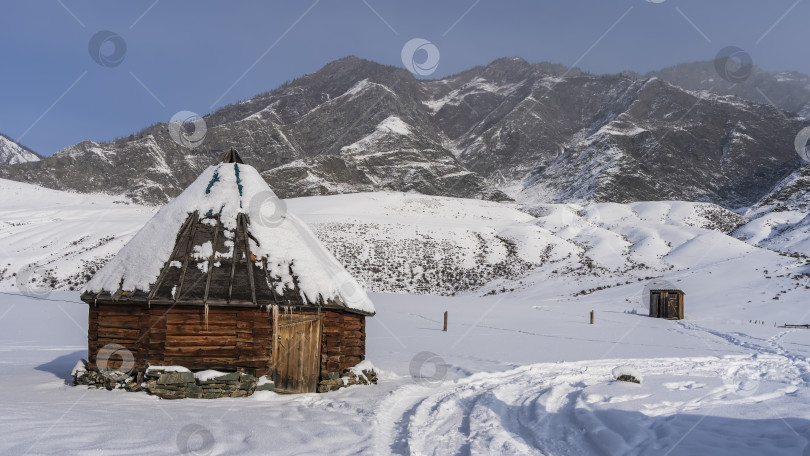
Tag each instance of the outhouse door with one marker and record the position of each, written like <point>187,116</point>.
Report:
<point>655,298</point>
<point>297,353</point>
<point>671,306</point>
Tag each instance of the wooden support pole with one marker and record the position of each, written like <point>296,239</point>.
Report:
<point>591,316</point>
<point>445,321</point>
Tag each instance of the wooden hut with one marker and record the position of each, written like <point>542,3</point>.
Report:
<point>666,304</point>
<point>223,278</point>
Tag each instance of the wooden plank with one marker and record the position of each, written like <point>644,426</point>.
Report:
<point>304,355</point>
<point>243,219</point>
<point>198,316</point>
<point>316,355</point>
<point>176,251</point>
<point>299,336</point>
<point>353,351</point>
<point>199,362</point>
<point>133,324</point>
<point>201,340</point>
<point>119,310</point>
<point>274,348</point>
<point>128,321</point>
<point>117,333</point>
<point>197,352</point>
<point>352,343</point>
<point>215,320</point>
<point>245,324</point>
<point>234,260</point>
<point>189,244</point>
<point>200,329</point>
<point>212,260</point>
<point>292,319</point>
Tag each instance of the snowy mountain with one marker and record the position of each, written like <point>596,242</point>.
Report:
<point>788,90</point>
<point>12,153</point>
<point>534,133</point>
<point>615,138</point>
<point>296,134</point>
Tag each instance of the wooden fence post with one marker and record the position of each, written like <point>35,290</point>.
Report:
<point>591,316</point>
<point>445,321</point>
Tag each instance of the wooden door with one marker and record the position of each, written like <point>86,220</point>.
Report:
<point>672,306</point>
<point>654,307</point>
<point>297,353</point>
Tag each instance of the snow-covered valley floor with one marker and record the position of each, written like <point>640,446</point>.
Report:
<point>513,375</point>
<point>520,371</point>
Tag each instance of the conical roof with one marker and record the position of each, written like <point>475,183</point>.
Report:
<point>227,240</point>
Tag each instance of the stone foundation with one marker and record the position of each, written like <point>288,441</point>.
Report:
<point>109,380</point>
<point>173,385</point>
<point>334,381</point>
<point>181,385</point>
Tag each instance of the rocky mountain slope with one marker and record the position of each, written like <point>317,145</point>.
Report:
<point>612,138</point>
<point>12,153</point>
<point>535,133</point>
<point>781,219</point>
<point>788,90</point>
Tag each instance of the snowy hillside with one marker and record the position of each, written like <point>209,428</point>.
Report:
<point>780,221</point>
<point>57,239</point>
<point>12,153</point>
<point>406,242</point>
<point>519,371</point>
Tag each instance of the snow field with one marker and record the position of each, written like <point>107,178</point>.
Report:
<point>519,371</point>
<point>515,379</point>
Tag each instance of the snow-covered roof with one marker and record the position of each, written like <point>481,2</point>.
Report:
<point>184,253</point>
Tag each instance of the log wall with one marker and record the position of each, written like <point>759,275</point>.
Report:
<point>234,338</point>
<point>343,344</point>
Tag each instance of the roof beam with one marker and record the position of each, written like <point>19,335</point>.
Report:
<point>212,259</point>
<point>176,251</point>
<point>189,245</point>
<point>248,261</point>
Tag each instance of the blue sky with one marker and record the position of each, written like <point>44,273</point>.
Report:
<point>201,55</point>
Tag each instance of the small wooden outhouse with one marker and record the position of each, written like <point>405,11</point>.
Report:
<point>666,304</point>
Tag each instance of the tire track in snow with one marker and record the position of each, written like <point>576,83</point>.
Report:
<point>542,408</point>
<point>393,415</point>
